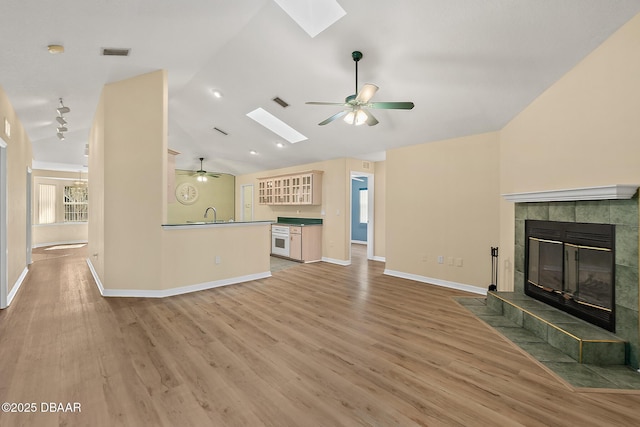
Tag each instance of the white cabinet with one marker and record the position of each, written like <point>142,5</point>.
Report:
<point>305,243</point>
<point>304,188</point>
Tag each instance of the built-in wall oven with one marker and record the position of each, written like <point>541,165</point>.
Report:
<point>280,240</point>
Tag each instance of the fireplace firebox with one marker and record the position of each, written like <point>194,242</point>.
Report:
<point>571,266</point>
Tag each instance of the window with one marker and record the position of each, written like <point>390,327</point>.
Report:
<point>364,206</point>
<point>76,202</point>
<point>47,204</point>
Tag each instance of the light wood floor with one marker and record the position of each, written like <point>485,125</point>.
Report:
<point>314,345</point>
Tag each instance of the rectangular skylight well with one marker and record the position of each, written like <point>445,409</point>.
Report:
<point>276,125</point>
<point>314,16</point>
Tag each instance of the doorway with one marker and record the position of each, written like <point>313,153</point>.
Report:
<point>361,228</point>
<point>246,200</point>
<point>4,276</point>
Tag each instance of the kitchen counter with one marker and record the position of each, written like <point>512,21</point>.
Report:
<point>211,224</point>
<point>299,222</point>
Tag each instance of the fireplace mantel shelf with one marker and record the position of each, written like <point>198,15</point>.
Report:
<point>608,192</point>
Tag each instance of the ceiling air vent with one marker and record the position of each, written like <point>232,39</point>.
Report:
<point>221,131</point>
<point>115,52</point>
<point>280,102</point>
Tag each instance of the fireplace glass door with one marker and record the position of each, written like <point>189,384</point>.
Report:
<point>571,266</point>
<point>588,275</point>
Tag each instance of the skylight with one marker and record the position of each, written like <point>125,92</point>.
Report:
<point>314,16</point>
<point>276,125</point>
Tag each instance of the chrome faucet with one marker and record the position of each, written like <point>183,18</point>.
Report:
<point>215,213</point>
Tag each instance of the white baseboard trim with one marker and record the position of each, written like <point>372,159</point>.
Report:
<point>336,261</point>
<point>141,293</point>
<point>95,277</point>
<point>437,282</point>
<point>66,242</point>
<point>16,286</point>
<point>379,258</point>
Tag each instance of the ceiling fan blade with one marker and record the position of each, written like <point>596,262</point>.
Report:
<point>332,118</point>
<point>366,93</point>
<point>325,103</point>
<point>391,105</point>
<point>371,121</point>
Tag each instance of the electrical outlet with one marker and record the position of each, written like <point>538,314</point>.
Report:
<point>218,259</point>
<point>440,259</point>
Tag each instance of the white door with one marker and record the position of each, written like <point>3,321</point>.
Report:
<point>247,202</point>
<point>4,276</point>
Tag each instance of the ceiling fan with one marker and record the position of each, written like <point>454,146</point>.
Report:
<point>356,105</point>
<point>201,174</point>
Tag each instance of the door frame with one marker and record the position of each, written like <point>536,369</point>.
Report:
<point>370,203</point>
<point>4,274</point>
<point>29,215</point>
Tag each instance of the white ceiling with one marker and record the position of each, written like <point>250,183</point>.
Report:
<point>469,66</point>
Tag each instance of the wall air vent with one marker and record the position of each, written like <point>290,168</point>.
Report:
<point>280,102</point>
<point>221,131</point>
<point>115,52</point>
<point>366,165</point>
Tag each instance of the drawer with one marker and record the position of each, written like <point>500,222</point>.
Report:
<point>295,230</point>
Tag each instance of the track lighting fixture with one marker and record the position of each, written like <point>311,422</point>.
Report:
<point>62,109</point>
<point>61,120</point>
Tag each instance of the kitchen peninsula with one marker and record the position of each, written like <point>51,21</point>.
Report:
<point>199,256</point>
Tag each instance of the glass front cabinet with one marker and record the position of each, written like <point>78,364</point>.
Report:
<point>304,188</point>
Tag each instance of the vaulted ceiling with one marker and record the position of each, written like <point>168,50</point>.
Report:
<point>469,66</point>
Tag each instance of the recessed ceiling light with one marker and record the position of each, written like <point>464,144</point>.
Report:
<point>276,125</point>
<point>55,49</point>
<point>253,152</point>
<point>279,145</point>
<point>217,93</point>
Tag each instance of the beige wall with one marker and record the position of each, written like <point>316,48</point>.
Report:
<point>583,131</point>
<point>216,192</point>
<point>189,255</point>
<point>19,155</point>
<point>129,249</point>
<point>335,207</point>
<point>442,199</point>
<point>380,203</point>
<point>128,150</point>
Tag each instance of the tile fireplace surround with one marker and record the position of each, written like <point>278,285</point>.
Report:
<point>623,212</point>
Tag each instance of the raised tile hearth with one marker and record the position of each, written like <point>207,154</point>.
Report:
<point>580,340</point>
<point>558,341</point>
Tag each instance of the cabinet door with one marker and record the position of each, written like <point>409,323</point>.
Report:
<point>295,246</point>
<point>295,189</point>
<point>262,197</point>
<point>306,188</point>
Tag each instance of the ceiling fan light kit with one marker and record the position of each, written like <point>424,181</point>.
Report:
<point>356,105</point>
<point>202,175</point>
